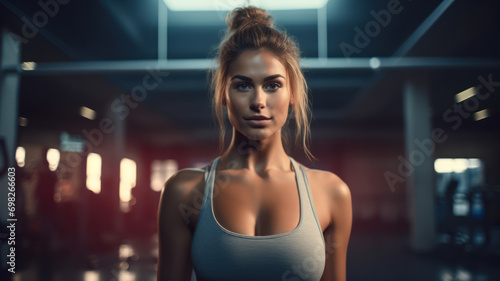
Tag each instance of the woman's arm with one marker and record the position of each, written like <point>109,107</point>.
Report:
<point>174,235</point>
<point>338,232</point>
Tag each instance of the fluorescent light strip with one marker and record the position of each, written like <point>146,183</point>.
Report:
<point>53,156</point>
<point>223,5</point>
<point>128,176</point>
<point>87,112</point>
<point>460,97</point>
<point>20,156</point>
<point>481,114</point>
<point>455,165</point>
<point>28,65</point>
<point>474,163</point>
<point>374,63</point>
<point>94,167</point>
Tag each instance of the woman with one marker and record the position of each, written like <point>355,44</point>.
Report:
<point>254,213</point>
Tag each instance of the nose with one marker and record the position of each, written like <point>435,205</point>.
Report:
<point>259,100</point>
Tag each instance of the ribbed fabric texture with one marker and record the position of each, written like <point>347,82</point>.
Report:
<point>219,254</point>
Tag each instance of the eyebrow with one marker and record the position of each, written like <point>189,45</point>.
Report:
<point>248,79</point>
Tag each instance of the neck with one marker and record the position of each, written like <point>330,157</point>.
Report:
<point>255,155</point>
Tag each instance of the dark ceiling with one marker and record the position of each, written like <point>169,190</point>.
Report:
<point>346,101</point>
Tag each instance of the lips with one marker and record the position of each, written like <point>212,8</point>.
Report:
<point>257,117</point>
<point>258,121</point>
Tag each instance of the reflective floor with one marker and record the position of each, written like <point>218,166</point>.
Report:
<point>130,261</point>
<point>371,257</point>
<point>388,257</point>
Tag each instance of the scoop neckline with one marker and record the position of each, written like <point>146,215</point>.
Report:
<point>301,215</point>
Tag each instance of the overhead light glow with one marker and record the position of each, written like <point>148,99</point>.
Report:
<point>203,5</point>
<point>460,97</point>
<point>481,114</point>
<point>87,112</point>
<point>474,163</point>
<point>28,66</point>
<point>91,275</point>
<point>23,122</point>
<point>94,164</point>
<point>374,63</point>
<point>126,275</point>
<point>53,157</point>
<point>128,175</point>
<point>455,165</point>
<point>20,156</point>
<point>460,165</point>
<point>125,251</point>
<point>443,165</point>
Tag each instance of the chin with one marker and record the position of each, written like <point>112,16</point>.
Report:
<point>258,137</point>
<point>259,133</point>
<point>252,135</point>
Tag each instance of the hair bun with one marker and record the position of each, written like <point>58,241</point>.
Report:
<point>247,16</point>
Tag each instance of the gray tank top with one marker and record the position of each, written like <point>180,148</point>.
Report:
<point>220,254</point>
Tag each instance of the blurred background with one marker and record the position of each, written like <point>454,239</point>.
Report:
<point>101,101</point>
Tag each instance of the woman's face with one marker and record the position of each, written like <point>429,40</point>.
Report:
<point>257,86</point>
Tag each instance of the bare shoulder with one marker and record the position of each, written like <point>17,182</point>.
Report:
<point>183,182</point>
<point>329,183</point>
<point>333,199</point>
<point>176,223</point>
<point>182,196</point>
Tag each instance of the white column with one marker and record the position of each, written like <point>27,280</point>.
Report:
<point>420,183</point>
<point>9,103</point>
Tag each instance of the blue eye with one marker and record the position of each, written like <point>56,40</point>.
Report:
<point>242,86</point>
<point>274,86</point>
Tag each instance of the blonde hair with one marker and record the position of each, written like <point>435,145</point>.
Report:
<point>251,28</point>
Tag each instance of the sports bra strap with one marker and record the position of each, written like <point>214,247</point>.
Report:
<point>207,170</point>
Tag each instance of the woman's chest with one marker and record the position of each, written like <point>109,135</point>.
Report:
<point>265,231</point>
<point>257,206</point>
